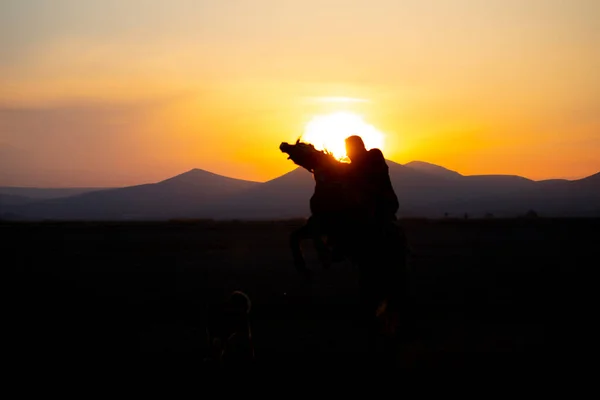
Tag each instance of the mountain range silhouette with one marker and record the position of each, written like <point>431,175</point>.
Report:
<point>424,190</point>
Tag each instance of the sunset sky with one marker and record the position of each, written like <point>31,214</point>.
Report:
<point>123,92</point>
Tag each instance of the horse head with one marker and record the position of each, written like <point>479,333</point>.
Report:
<point>333,191</point>
<point>303,154</point>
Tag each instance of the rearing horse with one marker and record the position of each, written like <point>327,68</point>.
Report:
<point>335,204</point>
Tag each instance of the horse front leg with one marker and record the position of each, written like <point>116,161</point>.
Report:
<point>296,237</point>
<point>315,232</point>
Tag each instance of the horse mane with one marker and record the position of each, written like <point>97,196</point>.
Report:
<point>326,153</point>
<point>300,150</point>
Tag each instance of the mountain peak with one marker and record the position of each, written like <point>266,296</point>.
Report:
<point>432,169</point>
<point>197,175</point>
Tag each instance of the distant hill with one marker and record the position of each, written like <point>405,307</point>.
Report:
<point>432,169</point>
<point>284,197</point>
<point>185,195</point>
<point>591,182</point>
<point>424,190</point>
<point>45,193</point>
<point>8,202</point>
<point>11,200</point>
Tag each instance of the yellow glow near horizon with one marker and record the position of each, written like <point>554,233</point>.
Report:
<point>341,99</point>
<point>328,132</point>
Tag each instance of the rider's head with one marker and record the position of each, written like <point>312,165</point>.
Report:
<point>355,147</point>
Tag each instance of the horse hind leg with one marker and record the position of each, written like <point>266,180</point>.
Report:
<point>323,251</point>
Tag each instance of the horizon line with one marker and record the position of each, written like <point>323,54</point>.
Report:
<point>279,176</point>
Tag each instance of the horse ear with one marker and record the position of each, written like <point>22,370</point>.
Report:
<point>298,140</point>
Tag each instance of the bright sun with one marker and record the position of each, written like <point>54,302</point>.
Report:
<point>327,132</point>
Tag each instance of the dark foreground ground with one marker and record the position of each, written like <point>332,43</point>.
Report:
<point>501,293</point>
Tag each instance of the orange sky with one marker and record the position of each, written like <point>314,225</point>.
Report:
<point>113,94</point>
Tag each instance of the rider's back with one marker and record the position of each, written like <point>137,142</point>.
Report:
<point>371,176</point>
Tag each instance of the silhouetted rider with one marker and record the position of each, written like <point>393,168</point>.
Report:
<point>382,278</point>
<point>370,172</point>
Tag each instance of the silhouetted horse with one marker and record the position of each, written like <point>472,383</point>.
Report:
<point>379,250</point>
<point>334,205</point>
